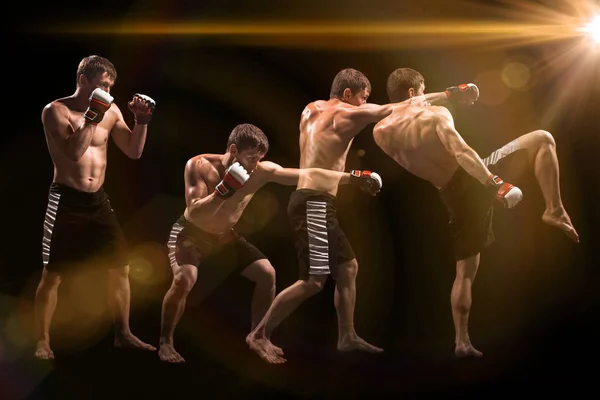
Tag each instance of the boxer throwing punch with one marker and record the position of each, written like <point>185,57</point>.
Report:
<point>204,247</point>
<point>327,129</point>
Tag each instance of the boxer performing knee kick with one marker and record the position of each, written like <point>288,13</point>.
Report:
<point>204,247</point>
<point>80,224</point>
<point>423,140</point>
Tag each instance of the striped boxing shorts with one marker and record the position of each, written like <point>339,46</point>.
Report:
<point>320,243</point>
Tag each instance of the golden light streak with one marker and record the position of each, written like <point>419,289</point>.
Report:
<point>311,28</point>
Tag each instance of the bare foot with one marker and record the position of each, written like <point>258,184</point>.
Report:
<point>356,343</point>
<point>265,350</point>
<point>561,220</point>
<point>43,351</point>
<point>276,349</point>
<point>167,353</point>
<point>466,350</point>
<point>131,342</point>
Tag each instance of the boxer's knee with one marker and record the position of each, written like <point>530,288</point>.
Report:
<point>119,273</point>
<point>348,270</point>
<point>315,283</point>
<point>50,280</point>
<point>260,272</point>
<point>466,269</point>
<point>544,138</point>
<point>184,279</point>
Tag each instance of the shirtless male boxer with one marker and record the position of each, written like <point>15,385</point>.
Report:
<point>80,224</point>
<point>424,141</point>
<point>218,187</point>
<point>327,129</point>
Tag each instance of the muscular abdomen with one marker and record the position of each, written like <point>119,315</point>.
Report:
<point>88,173</point>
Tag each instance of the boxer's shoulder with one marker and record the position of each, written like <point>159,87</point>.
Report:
<point>203,164</point>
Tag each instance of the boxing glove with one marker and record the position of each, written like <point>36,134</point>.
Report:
<point>100,102</point>
<point>505,193</point>
<point>465,94</point>
<point>367,181</point>
<point>234,179</point>
<point>142,109</point>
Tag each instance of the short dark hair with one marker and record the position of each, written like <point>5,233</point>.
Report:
<point>351,79</point>
<point>400,81</point>
<point>93,65</point>
<point>248,136</point>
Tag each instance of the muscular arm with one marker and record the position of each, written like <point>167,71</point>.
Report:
<point>355,118</point>
<point>131,142</point>
<point>436,98</point>
<point>200,204</point>
<point>73,142</point>
<point>467,158</point>
<point>289,176</point>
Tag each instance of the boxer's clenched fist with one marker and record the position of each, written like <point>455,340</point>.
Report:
<point>142,107</point>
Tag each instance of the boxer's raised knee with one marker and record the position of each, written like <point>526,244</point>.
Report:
<point>544,137</point>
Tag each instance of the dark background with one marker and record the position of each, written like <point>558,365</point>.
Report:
<point>535,305</point>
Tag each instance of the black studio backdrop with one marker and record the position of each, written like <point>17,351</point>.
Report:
<point>532,283</point>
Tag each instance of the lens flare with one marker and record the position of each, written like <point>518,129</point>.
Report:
<point>593,29</point>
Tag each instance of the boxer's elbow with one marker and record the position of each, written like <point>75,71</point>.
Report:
<point>462,152</point>
<point>135,156</point>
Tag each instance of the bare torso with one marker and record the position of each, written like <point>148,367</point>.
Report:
<point>409,136</point>
<point>231,210</point>
<point>87,174</point>
<point>322,143</point>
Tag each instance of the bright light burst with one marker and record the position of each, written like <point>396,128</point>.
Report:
<point>593,29</point>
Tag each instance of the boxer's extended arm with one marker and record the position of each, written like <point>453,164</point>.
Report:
<point>73,142</point>
<point>289,176</point>
<point>436,98</point>
<point>466,157</point>
<point>200,203</point>
<point>464,94</point>
<point>352,119</point>
<point>369,182</point>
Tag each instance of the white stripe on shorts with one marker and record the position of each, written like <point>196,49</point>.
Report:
<point>502,152</point>
<point>318,245</point>
<point>49,220</point>
<point>177,228</point>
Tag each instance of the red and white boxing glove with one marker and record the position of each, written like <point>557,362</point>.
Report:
<point>506,193</point>
<point>234,179</point>
<point>142,107</point>
<point>100,102</point>
<point>369,182</point>
<point>465,93</point>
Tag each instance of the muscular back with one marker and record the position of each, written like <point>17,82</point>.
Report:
<point>326,133</point>
<point>410,137</point>
<point>88,172</point>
